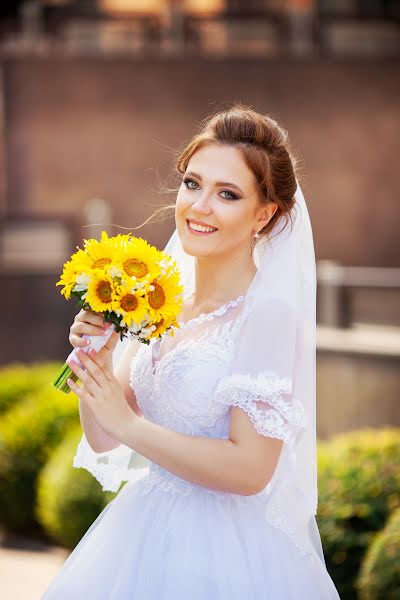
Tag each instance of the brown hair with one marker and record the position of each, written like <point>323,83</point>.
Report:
<point>265,149</point>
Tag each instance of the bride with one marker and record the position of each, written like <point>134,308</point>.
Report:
<point>224,411</point>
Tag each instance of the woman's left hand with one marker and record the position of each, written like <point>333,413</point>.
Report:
<point>100,389</point>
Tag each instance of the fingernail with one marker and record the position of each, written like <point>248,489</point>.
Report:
<point>87,342</point>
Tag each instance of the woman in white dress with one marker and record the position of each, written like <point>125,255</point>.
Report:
<point>224,411</point>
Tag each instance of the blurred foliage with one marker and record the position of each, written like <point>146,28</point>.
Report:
<point>19,379</point>
<point>28,434</point>
<point>358,483</point>
<point>68,499</point>
<point>380,571</point>
<point>359,486</point>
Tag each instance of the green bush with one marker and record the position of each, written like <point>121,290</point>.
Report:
<point>358,488</point>
<point>28,433</point>
<point>18,380</point>
<point>380,570</point>
<point>68,499</point>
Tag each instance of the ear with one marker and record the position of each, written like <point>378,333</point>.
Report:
<point>265,214</point>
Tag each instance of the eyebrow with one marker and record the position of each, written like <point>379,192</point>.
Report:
<point>217,182</point>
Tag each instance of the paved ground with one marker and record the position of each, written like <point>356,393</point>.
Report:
<point>27,567</point>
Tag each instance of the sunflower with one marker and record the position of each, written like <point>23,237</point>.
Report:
<point>101,291</point>
<point>165,296</point>
<point>121,238</point>
<point>162,326</point>
<point>67,279</point>
<point>96,254</point>
<point>139,260</point>
<point>130,305</point>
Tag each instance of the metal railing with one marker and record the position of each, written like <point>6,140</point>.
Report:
<point>336,283</point>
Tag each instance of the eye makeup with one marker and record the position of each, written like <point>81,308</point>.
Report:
<point>187,180</point>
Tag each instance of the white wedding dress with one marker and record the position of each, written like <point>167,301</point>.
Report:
<point>165,538</point>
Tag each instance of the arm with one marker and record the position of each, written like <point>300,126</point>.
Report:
<point>98,439</point>
<point>90,323</point>
<point>242,464</point>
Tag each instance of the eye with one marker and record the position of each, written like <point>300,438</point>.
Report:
<point>187,181</point>
<point>233,196</point>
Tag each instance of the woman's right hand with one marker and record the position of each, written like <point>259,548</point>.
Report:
<point>89,323</point>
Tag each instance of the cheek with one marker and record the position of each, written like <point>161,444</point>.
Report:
<point>181,208</point>
<point>182,202</point>
<point>236,223</point>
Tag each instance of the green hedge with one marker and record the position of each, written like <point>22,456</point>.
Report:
<point>380,571</point>
<point>68,499</point>
<point>358,481</point>
<point>359,486</point>
<point>28,434</point>
<point>17,380</point>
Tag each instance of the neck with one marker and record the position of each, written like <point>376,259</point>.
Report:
<point>219,279</point>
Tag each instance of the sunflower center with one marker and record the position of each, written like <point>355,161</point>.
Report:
<point>135,267</point>
<point>129,302</point>
<point>156,297</point>
<point>101,262</point>
<point>103,291</point>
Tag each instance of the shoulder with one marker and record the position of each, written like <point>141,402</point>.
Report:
<point>263,310</point>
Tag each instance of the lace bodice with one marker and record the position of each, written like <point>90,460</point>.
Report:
<point>174,378</point>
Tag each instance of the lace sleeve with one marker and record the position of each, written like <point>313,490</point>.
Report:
<point>267,400</point>
<point>262,384</point>
<point>110,468</point>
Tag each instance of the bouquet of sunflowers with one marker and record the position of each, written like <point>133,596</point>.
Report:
<point>134,285</point>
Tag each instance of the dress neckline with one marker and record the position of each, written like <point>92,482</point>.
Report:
<point>207,316</point>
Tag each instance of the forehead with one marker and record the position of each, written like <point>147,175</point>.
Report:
<point>218,162</point>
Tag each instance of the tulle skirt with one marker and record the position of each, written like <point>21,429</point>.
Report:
<point>168,546</point>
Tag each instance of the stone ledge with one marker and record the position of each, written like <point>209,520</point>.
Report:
<point>362,339</point>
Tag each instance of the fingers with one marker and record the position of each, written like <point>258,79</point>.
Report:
<point>105,352</point>
<point>81,327</point>
<point>78,342</point>
<point>81,392</point>
<point>95,366</point>
<point>112,341</point>
<point>89,316</point>
<point>93,377</point>
<point>88,323</point>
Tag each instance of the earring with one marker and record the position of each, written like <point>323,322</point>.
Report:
<point>256,235</point>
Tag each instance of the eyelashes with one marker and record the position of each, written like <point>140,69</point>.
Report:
<point>188,180</point>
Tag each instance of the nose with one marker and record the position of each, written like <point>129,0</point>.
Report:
<point>202,203</point>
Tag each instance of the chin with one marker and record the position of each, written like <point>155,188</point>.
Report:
<point>192,250</point>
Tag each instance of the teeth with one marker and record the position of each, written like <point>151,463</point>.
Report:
<point>201,227</point>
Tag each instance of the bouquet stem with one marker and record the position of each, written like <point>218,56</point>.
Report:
<point>60,380</point>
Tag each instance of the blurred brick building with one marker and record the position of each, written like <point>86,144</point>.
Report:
<point>95,97</point>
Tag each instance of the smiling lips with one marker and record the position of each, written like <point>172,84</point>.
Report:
<point>198,229</point>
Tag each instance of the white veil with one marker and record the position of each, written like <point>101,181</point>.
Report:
<point>273,373</point>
